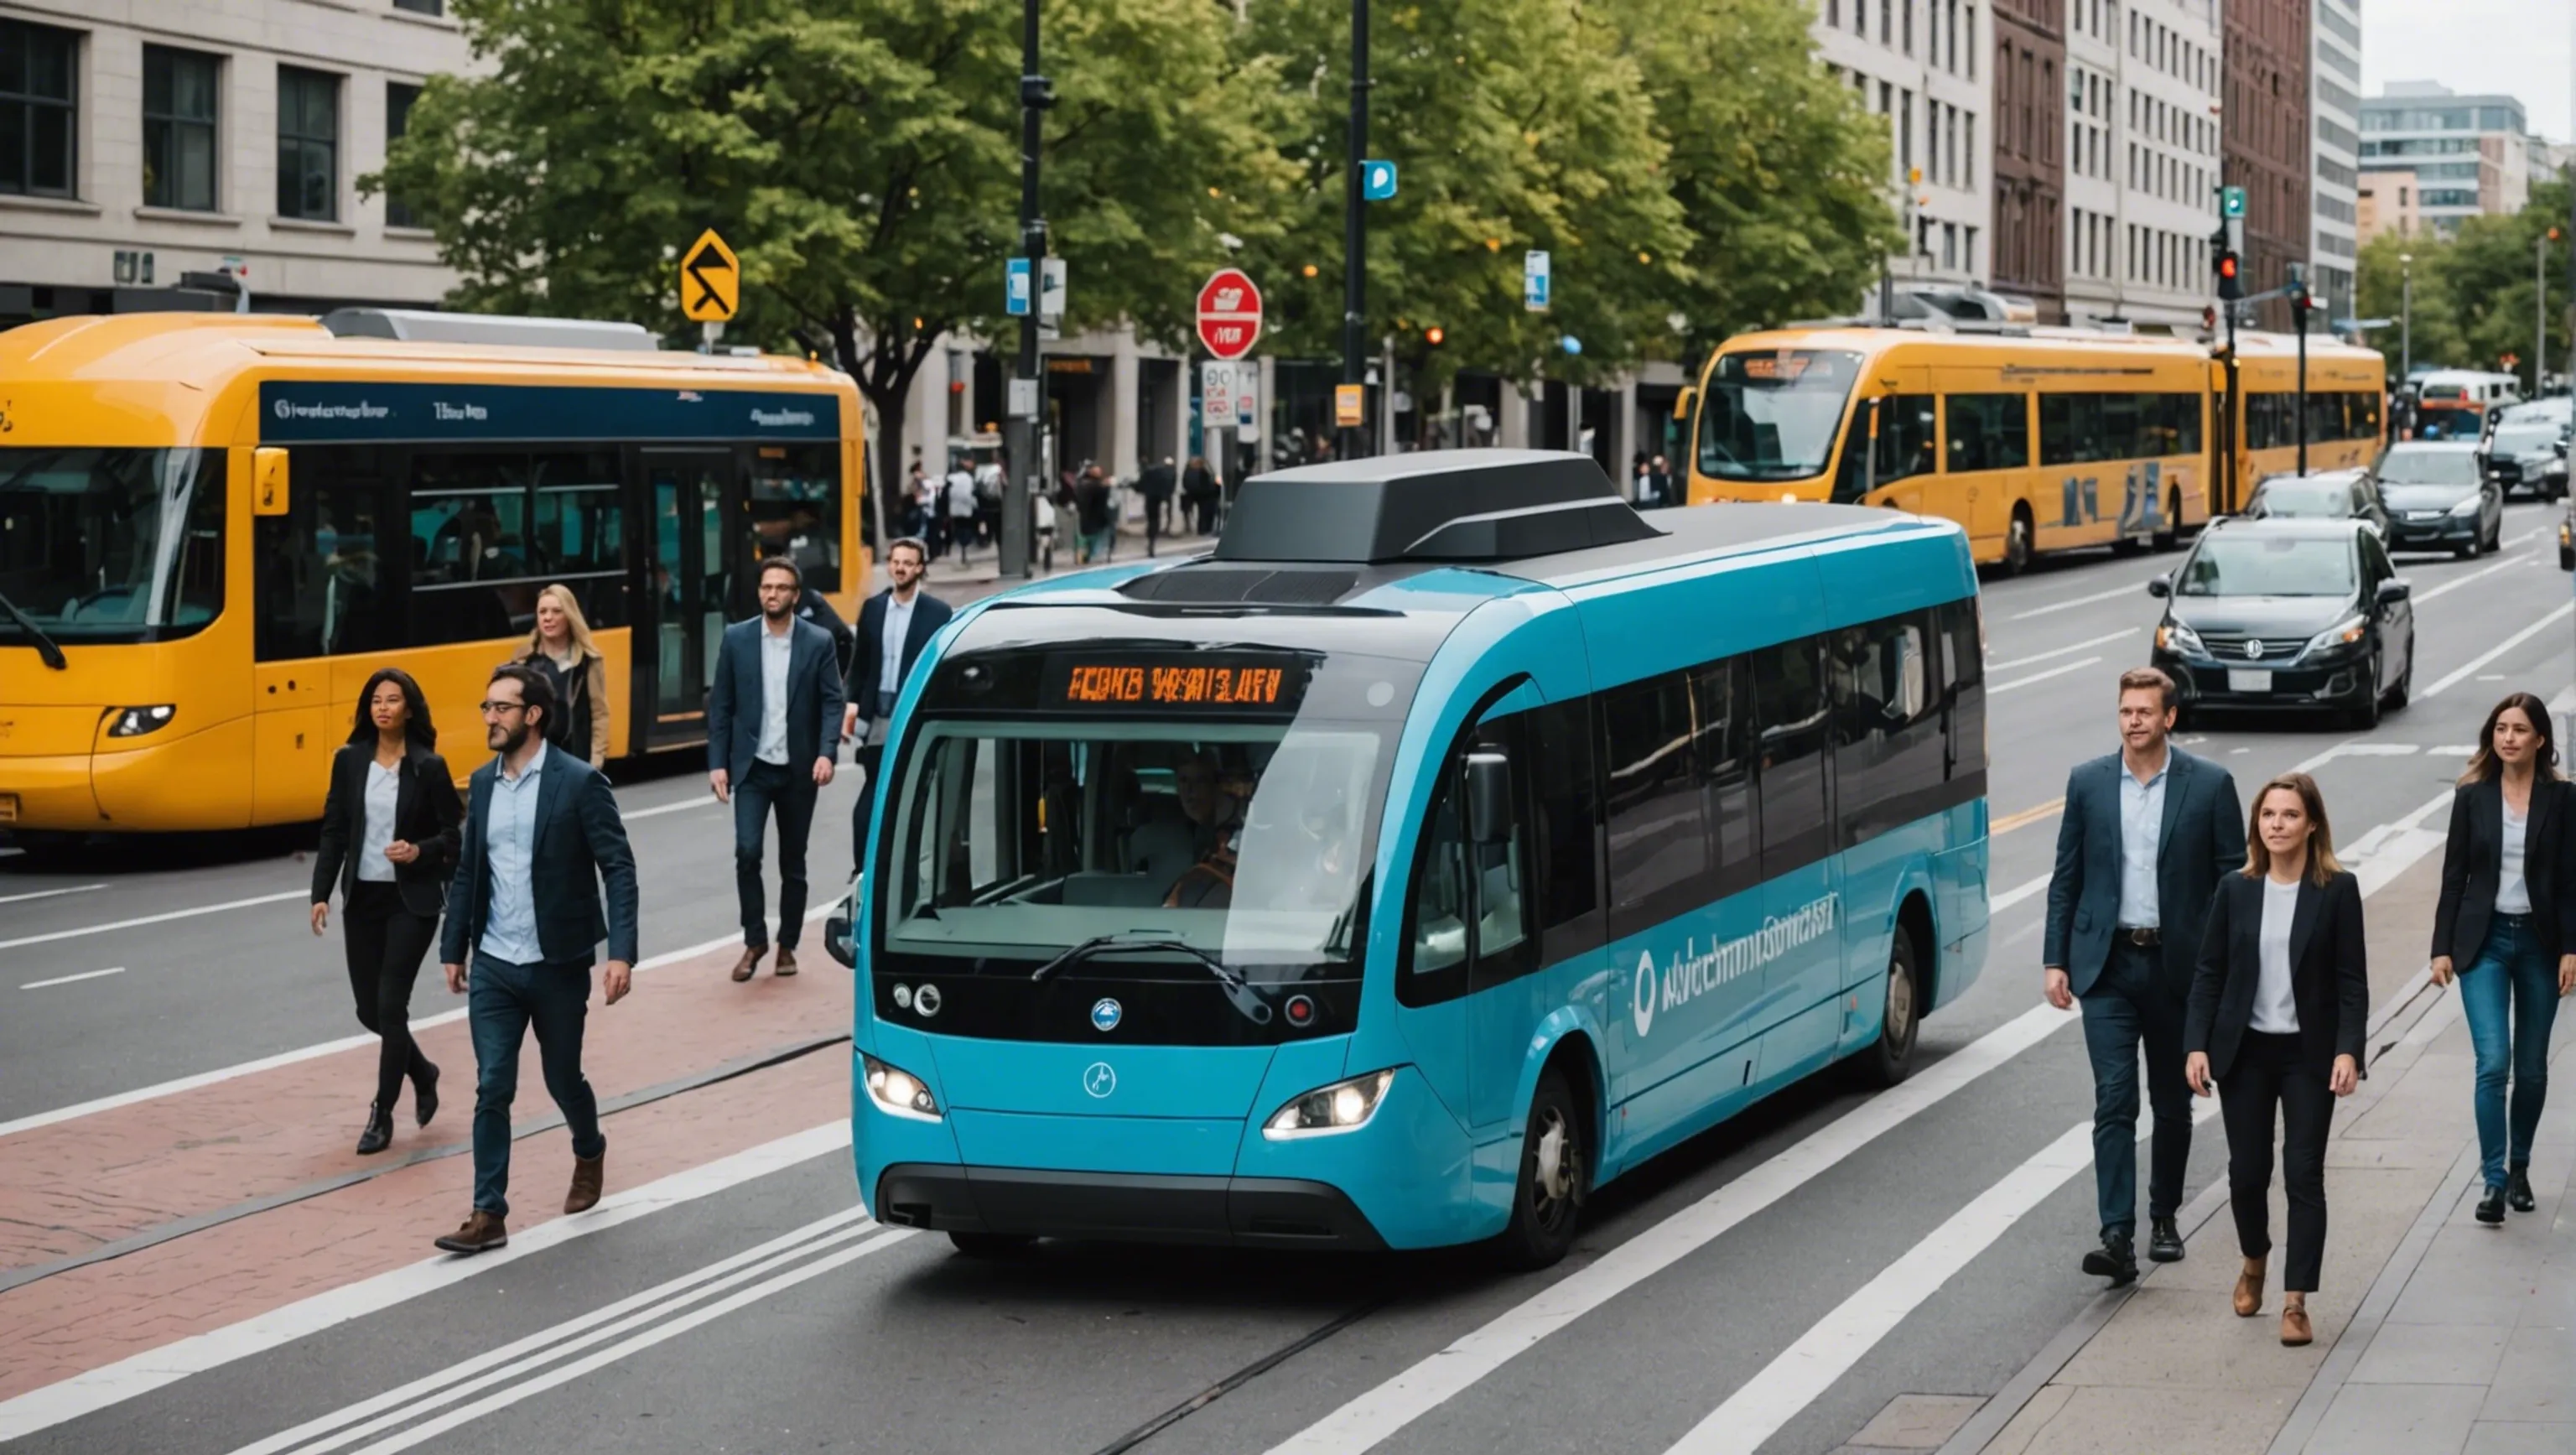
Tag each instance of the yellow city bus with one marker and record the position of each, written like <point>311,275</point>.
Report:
<point>2347,398</point>
<point>2035,440</point>
<point>214,526</point>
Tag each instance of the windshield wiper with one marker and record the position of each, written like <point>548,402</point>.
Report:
<point>45,645</point>
<point>1102,944</point>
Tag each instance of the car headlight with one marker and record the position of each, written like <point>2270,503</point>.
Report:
<point>134,722</point>
<point>2173,636</point>
<point>2468,506</point>
<point>897,1092</point>
<point>1344,1106</point>
<point>2342,634</point>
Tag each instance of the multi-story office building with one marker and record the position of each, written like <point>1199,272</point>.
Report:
<point>2030,103</point>
<point>2388,203</point>
<point>1920,64</point>
<point>140,142</point>
<point>2471,155</point>
<point>2142,159</point>
<point>2334,107</point>
<point>2264,139</point>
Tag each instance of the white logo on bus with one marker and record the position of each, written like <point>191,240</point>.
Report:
<point>1692,972</point>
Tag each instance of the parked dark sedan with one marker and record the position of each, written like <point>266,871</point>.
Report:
<point>2287,613</point>
<point>2528,455</point>
<point>2439,497</point>
<point>2321,495</point>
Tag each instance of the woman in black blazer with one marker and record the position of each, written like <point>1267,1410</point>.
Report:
<point>389,840</point>
<point>2508,902</point>
<point>2280,1008</point>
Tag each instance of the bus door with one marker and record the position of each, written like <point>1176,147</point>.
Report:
<point>689,575</point>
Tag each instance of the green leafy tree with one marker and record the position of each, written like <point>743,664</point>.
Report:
<point>861,156</point>
<point>2380,292</point>
<point>2491,289</point>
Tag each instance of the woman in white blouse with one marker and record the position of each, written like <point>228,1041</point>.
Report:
<point>2280,1008</point>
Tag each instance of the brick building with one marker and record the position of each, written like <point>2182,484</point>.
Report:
<point>2030,153</point>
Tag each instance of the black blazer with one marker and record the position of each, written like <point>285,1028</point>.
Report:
<point>580,844</point>
<point>2329,972</point>
<point>426,813</point>
<point>867,663</point>
<point>2473,863</point>
<point>734,704</point>
<point>2202,839</point>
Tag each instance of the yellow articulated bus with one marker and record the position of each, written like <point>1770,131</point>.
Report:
<point>2033,441</point>
<point>213,527</point>
<point>2347,397</point>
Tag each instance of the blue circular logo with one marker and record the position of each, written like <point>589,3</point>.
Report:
<point>1105,1014</point>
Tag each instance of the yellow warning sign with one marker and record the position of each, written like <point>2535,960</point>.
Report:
<point>710,280</point>
<point>1350,407</point>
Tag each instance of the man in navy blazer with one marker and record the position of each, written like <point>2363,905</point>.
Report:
<point>894,626</point>
<point>2145,837</point>
<point>541,837</point>
<point>773,731</point>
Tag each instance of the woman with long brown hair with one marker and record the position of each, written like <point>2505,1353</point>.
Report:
<point>561,648</point>
<point>2280,1009</point>
<point>2508,900</point>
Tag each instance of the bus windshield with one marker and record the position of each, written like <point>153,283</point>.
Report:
<point>1773,415</point>
<point>111,545</point>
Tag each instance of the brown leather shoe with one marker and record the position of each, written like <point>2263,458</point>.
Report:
<point>749,962</point>
<point>2294,1326</point>
<point>481,1233</point>
<point>785,964</point>
<point>587,1175</point>
<point>2249,1289</point>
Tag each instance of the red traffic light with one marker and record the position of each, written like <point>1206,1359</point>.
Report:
<point>1435,335</point>
<point>2227,266</point>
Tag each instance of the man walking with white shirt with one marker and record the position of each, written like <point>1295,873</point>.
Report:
<point>894,625</point>
<point>773,731</point>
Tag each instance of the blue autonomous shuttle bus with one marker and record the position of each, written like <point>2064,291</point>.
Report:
<point>1448,841</point>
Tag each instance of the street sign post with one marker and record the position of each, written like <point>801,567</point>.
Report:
<point>1015,290</point>
<point>710,280</point>
<point>1229,313</point>
<point>1535,281</point>
<point>1216,395</point>
<point>1247,401</point>
<point>1051,288</point>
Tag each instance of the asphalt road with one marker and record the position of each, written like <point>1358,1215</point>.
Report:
<point>1873,1257</point>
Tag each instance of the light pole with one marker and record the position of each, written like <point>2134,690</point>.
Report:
<point>2405,318</point>
<point>1355,226</point>
<point>1027,401</point>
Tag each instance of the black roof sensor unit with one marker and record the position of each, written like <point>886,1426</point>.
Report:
<point>1436,505</point>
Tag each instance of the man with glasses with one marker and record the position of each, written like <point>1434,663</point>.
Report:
<point>773,731</point>
<point>531,923</point>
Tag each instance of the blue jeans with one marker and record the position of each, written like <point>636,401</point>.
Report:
<point>2510,995</point>
<point>502,1001</point>
<point>2124,1009</point>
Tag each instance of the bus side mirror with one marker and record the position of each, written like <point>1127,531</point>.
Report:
<point>1489,797</point>
<point>1685,402</point>
<point>268,481</point>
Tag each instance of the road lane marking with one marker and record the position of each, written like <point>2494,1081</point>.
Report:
<point>445,1387</point>
<point>68,979</point>
<point>2015,895</point>
<point>2132,589</point>
<point>2062,651</point>
<point>2456,582</point>
<point>140,1374</point>
<point>2025,818</point>
<point>683,806</point>
<point>154,919</point>
<point>325,1048</point>
<point>2002,687</point>
<point>2356,749</point>
<point>1381,1412</point>
<point>2565,609</point>
<point>48,893</point>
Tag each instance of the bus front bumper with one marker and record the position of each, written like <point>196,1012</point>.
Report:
<point>1261,1212</point>
<point>48,794</point>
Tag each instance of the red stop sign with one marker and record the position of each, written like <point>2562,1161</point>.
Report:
<point>1229,313</point>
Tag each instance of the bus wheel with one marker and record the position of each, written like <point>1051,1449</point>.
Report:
<point>2171,536</point>
<point>990,1245</point>
<point>1890,1059</point>
<point>2018,543</point>
<point>1556,1172</point>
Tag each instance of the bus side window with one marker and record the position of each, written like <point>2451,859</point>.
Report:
<point>1497,857</point>
<point>324,581</point>
<point>1888,752</point>
<point>1725,714</point>
<point>1789,708</point>
<point>1963,686</point>
<point>1904,437</point>
<point>1988,431</point>
<point>1436,956</point>
<point>1851,477</point>
<point>1567,834</point>
<point>1658,841</point>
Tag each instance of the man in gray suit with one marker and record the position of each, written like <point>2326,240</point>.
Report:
<point>2146,834</point>
<point>773,730</point>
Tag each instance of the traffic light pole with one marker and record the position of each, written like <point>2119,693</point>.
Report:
<point>1355,228</point>
<point>2299,314</point>
<point>2235,414</point>
<point>1021,481</point>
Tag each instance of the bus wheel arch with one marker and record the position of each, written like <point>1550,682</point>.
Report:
<point>1559,1160</point>
<point>1906,992</point>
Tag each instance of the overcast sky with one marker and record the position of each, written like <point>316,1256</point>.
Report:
<point>2519,47</point>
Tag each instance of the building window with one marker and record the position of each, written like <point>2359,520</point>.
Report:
<point>422,7</point>
<point>398,100</point>
<point>38,120</point>
<point>179,128</point>
<point>308,145</point>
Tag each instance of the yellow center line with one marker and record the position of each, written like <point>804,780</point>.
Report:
<point>2023,819</point>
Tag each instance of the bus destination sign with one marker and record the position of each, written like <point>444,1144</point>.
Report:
<point>1183,682</point>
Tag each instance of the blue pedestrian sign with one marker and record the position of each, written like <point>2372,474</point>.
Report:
<point>1016,295</point>
<point>1534,281</point>
<point>1572,345</point>
<point>1377,180</point>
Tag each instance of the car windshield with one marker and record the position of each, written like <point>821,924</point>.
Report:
<point>110,545</point>
<point>2304,497</point>
<point>2402,466</point>
<point>1773,415</point>
<point>2526,438</point>
<point>2259,565</point>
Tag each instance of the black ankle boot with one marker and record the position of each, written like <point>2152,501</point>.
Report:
<point>380,1130</point>
<point>2491,1206</point>
<point>2517,1190</point>
<point>424,1096</point>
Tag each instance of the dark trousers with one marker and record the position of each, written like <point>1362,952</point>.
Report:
<point>766,789</point>
<point>1157,508</point>
<point>2270,1072</point>
<point>1205,508</point>
<point>2127,1007</point>
<point>2510,995</point>
<point>502,1002</point>
<point>386,942</point>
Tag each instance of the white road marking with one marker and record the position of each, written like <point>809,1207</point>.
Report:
<point>2062,651</point>
<point>2132,589</point>
<point>1415,1392</point>
<point>2456,582</point>
<point>325,1048</point>
<point>48,893</point>
<point>154,919</point>
<point>152,1369</point>
<point>2564,610</point>
<point>447,1386</point>
<point>1999,903</point>
<point>2464,750</point>
<point>1994,689</point>
<point>683,806</point>
<point>68,979</point>
<point>2356,749</point>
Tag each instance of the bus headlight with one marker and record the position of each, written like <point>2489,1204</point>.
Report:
<point>1344,1106</point>
<point>897,1092</point>
<point>134,722</point>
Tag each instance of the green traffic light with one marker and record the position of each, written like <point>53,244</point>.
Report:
<point>2231,201</point>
